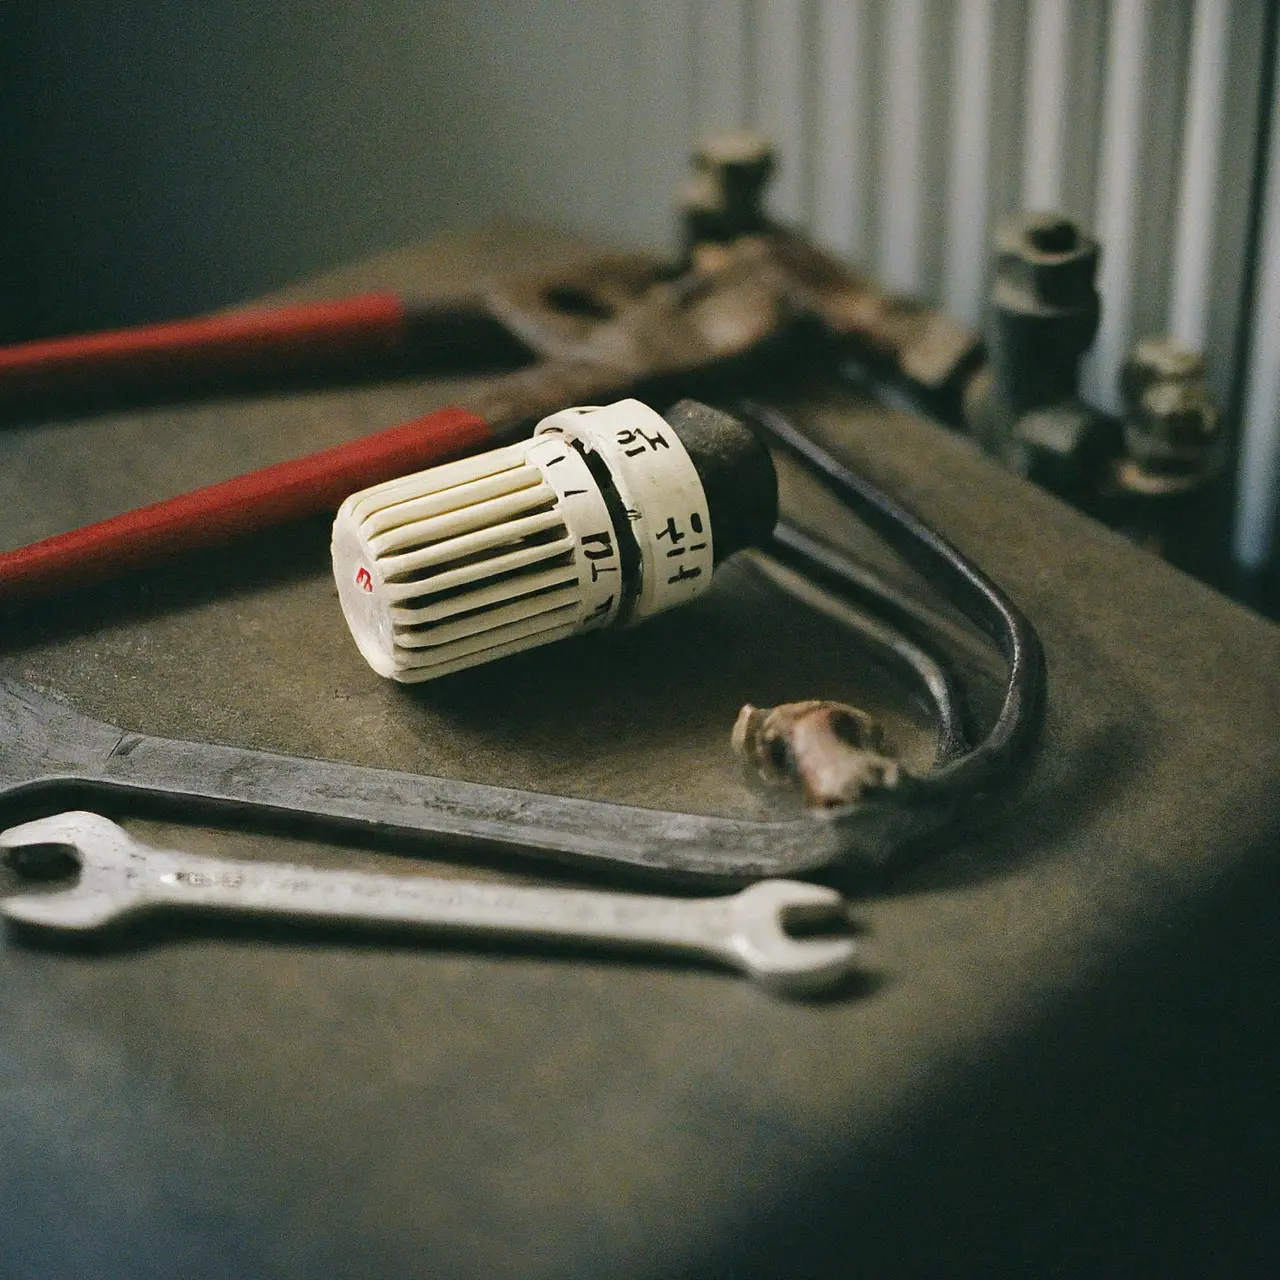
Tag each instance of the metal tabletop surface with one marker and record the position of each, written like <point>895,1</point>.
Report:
<point>1026,1074</point>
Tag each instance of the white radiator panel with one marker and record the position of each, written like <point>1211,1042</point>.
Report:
<point>1197,202</point>
<point>1044,142</point>
<point>968,196</point>
<point>1116,217</point>
<point>842,135</point>
<point>909,127</point>
<point>1255,533</point>
<point>906,129</point>
<point>901,180</point>
<point>783,79</point>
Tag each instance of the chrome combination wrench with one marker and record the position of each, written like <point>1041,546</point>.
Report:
<point>120,877</point>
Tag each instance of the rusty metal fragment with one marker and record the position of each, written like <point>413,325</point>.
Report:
<point>833,751</point>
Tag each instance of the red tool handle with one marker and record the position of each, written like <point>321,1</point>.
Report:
<point>221,512</point>
<point>373,322</point>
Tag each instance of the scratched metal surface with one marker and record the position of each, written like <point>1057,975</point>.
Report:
<point>254,1101</point>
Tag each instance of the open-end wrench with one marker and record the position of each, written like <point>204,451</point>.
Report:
<point>50,754</point>
<point>121,877</point>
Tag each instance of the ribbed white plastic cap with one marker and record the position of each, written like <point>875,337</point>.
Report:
<point>600,518</point>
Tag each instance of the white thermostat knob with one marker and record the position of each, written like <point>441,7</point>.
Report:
<point>604,517</point>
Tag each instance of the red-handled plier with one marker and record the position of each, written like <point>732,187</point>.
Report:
<point>600,332</point>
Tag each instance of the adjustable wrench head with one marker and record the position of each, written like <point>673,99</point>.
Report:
<point>771,955</point>
<point>107,888</point>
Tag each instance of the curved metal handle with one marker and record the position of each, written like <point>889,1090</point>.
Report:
<point>958,580</point>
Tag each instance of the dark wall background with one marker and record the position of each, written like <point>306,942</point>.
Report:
<point>166,157</point>
<point>160,158</point>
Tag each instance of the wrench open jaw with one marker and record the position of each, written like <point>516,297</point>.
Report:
<point>107,887</point>
<point>119,878</point>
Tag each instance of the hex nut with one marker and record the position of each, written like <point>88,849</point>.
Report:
<point>1175,428</point>
<point>740,164</point>
<point>1044,260</point>
<point>1157,358</point>
<point>1061,446</point>
<point>734,149</point>
<point>1171,426</point>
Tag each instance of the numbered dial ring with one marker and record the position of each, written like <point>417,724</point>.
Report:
<point>659,494</point>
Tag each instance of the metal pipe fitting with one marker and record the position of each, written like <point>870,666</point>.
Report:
<point>1172,442</point>
<point>1043,316</point>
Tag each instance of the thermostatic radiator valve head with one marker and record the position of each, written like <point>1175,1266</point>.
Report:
<point>605,517</point>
